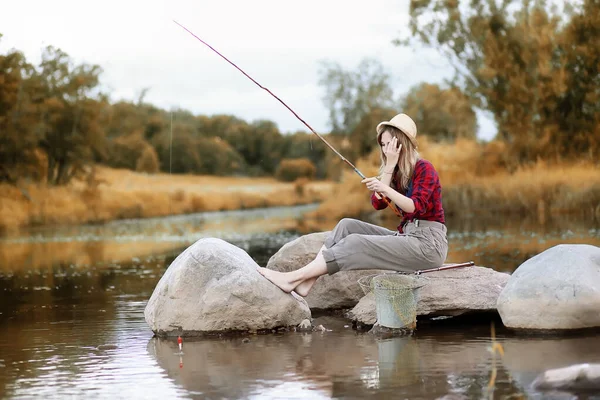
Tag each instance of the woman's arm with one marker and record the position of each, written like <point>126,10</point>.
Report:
<point>386,178</point>
<point>424,182</point>
<point>405,203</point>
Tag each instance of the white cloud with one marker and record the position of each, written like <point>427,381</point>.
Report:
<point>279,43</point>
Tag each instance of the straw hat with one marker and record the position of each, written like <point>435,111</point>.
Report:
<point>402,122</point>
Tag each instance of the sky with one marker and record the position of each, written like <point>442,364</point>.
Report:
<point>279,43</point>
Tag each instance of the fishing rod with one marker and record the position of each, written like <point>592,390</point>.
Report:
<point>445,267</point>
<point>293,112</point>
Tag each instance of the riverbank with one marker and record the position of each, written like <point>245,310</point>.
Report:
<point>113,194</point>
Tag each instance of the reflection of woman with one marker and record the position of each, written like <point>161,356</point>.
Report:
<point>409,182</point>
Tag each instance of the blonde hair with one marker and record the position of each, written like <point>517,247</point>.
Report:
<point>407,160</point>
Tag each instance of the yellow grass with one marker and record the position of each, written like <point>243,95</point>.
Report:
<point>116,194</point>
<point>474,181</point>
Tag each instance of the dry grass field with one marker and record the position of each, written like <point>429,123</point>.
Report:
<point>119,193</point>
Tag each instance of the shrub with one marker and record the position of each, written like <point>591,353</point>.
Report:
<point>132,152</point>
<point>148,161</point>
<point>291,169</point>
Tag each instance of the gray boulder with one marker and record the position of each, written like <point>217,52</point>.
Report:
<point>337,291</point>
<point>574,377</point>
<point>449,293</point>
<point>213,286</point>
<point>558,289</point>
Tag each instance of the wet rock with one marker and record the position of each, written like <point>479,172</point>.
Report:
<point>364,312</point>
<point>452,292</point>
<point>384,331</point>
<point>526,357</point>
<point>107,347</point>
<point>213,286</point>
<point>329,292</point>
<point>245,340</point>
<point>304,326</point>
<point>558,289</point>
<point>575,377</point>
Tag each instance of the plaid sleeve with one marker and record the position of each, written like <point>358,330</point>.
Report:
<point>378,204</point>
<point>424,183</point>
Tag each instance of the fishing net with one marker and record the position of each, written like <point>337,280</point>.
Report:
<point>396,298</point>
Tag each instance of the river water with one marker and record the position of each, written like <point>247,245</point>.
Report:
<point>72,325</point>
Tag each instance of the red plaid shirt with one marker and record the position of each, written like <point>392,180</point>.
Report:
<point>426,193</point>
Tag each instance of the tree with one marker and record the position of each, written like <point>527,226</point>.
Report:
<point>125,118</point>
<point>350,95</point>
<point>524,61</point>
<point>70,115</point>
<point>441,114</point>
<point>259,143</point>
<point>578,109</point>
<point>18,117</point>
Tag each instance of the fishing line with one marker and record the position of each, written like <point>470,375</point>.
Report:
<point>171,156</point>
<point>171,145</point>
<point>392,206</point>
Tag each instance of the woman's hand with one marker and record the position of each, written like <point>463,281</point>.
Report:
<point>375,185</point>
<point>392,153</point>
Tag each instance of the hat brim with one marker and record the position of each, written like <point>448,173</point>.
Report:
<point>381,127</point>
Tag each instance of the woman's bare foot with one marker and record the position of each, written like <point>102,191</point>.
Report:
<point>304,287</point>
<point>279,279</point>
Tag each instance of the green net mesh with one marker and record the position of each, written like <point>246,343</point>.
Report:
<point>396,298</point>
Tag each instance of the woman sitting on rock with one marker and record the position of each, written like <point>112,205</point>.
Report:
<point>420,242</point>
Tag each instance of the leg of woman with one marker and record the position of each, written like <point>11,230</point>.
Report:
<point>348,226</point>
<point>345,227</point>
<point>404,253</point>
<point>304,278</point>
<point>304,287</point>
<point>288,281</point>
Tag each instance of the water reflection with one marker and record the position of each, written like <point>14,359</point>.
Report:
<point>336,364</point>
<point>127,240</point>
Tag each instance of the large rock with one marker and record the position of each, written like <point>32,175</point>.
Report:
<point>452,292</point>
<point>558,289</point>
<point>213,286</point>
<point>337,291</point>
<point>525,359</point>
<point>574,377</point>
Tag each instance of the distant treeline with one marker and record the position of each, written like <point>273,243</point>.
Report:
<point>55,121</point>
<point>536,70</point>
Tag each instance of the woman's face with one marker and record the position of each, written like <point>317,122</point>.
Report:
<point>386,137</point>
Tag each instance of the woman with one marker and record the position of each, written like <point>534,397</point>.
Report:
<point>409,182</point>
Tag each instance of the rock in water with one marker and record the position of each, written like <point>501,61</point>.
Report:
<point>329,292</point>
<point>558,289</point>
<point>451,292</point>
<point>213,286</point>
<point>575,377</point>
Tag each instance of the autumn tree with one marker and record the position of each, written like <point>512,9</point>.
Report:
<point>70,129</point>
<point>534,68</point>
<point>441,114</point>
<point>259,143</point>
<point>126,118</point>
<point>18,117</point>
